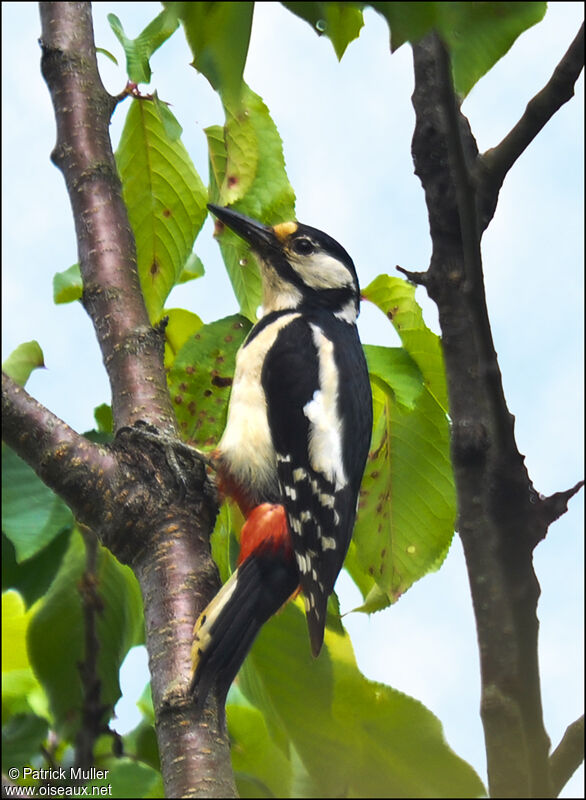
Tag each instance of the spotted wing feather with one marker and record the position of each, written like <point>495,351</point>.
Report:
<point>320,502</point>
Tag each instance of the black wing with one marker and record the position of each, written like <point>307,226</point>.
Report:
<point>319,412</point>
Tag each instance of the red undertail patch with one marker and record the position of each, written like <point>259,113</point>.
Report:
<point>265,528</point>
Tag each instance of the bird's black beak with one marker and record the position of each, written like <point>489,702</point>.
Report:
<point>258,236</point>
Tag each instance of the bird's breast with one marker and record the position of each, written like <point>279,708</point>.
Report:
<point>246,448</point>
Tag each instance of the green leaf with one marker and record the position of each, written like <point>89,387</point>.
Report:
<point>356,738</point>
<point>407,500</point>
<point>128,778</point>
<point>108,54</point>
<point>172,127</point>
<point>343,25</point>
<point>181,326</point>
<point>104,418</point>
<point>396,299</point>
<point>22,737</point>
<point>260,767</point>
<point>138,51</point>
<point>479,34</point>
<point>250,139</point>
<point>56,633</point>
<point>165,198</point>
<point>27,357</point>
<point>240,263</point>
<point>193,268</point>
<point>67,285</point>
<point>32,516</point>
<point>242,153</point>
<point>218,35</point>
<point>224,539</point>
<point>15,619</point>
<point>201,378</point>
<point>33,577</point>
<point>375,599</point>
<point>18,679</point>
<point>340,22</point>
<point>397,370</point>
<point>218,159</point>
<point>141,743</point>
<point>407,21</point>
<point>407,505</point>
<point>145,704</point>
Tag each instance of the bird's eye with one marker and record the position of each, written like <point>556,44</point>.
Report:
<point>303,246</point>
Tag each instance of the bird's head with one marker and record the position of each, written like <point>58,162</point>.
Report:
<point>301,267</point>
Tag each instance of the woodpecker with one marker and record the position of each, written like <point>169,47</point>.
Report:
<point>295,444</point>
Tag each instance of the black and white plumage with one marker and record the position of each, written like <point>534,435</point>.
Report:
<point>296,440</point>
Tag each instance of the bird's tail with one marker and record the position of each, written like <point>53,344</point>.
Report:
<point>226,629</point>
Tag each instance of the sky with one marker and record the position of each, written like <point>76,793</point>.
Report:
<point>347,129</point>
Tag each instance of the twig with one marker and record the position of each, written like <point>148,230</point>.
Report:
<point>567,756</point>
<point>93,722</point>
<point>555,505</point>
<point>494,164</point>
<point>418,278</point>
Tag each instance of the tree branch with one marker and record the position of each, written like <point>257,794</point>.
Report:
<point>128,492</point>
<point>555,505</point>
<point>462,154</point>
<point>567,756</point>
<point>132,350</point>
<point>494,165</point>
<point>68,463</point>
<point>418,278</point>
<point>93,711</point>
<point>500,517</point>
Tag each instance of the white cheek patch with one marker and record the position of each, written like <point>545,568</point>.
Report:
<point>325,426</point>
<point>321,271</point>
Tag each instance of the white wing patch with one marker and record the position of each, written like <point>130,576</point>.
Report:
<point>325,426</point>
<point>347,313</point>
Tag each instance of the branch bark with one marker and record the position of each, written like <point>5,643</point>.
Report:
<point>93,712</point>
<point>492,167</point>
<point>131,348</point>
<point>128,493</point>
<point>501,516</point>
<point>567,756</point>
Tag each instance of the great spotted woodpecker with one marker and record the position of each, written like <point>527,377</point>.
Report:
<point>295,444</point>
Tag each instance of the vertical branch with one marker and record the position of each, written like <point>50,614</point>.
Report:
<point>499,515</point>
<point>161,531</point>
<point>131,348</point>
